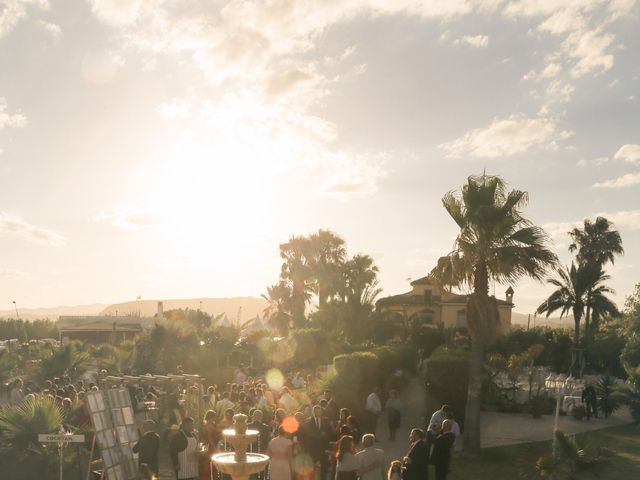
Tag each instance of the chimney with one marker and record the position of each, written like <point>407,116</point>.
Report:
<point>509,295</point>
<point>160,310</point>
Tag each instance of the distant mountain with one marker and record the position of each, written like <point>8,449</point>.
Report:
<point>244,307</point>
<point>521,319</point>
<point>54,312</point>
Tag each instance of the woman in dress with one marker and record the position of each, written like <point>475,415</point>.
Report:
<point>346,464</point>
<point>280,450</point>
<point>393,407</point>
<point>210,438</point>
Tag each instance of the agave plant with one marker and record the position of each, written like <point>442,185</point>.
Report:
<point>609,398</point>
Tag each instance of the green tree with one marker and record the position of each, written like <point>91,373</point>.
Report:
<point>578,287</point>
<point>359,290</point>
<point>327,254</point>
<point>276,314</point>
<point>296,272</point>
<point>596,245</point>
<point>67,360</point>
<point>495,242</point>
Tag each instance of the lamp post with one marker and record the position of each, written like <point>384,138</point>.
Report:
<point>560,385</point>
<point>15,305</point>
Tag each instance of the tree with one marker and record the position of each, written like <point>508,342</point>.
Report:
<point>495,242</point>
<point>297,273</point>
<point>359,290</point>
<point>327,254</point>
<point>276,313</point>
<point>579,287</point>
<point>596,245</point>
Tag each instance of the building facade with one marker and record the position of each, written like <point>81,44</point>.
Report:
<point>428,304</point>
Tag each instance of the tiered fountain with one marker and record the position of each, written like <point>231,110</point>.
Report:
<point>240,464</point>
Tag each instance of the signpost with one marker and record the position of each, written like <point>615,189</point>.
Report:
<point>61,439</point>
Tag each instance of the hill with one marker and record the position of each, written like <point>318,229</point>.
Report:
<point>233,307</point>
<point>53,313</point>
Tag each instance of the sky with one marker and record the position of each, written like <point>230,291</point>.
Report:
<point>164,149</point>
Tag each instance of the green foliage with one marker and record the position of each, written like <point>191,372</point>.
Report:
<point>67,360</point>
<point>27,330</point>
<point>609,401</point>
<point>630,355</point>
<point>447,376</point>
<point>604,353</point>
<point>311,348</point>
<point>428,339</point>
<point>8,364</point>
<point>165,346</point>
<point>21,455</point>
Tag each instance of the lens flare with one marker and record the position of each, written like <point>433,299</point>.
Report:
<point>290,424</point>
<point>275,379</point>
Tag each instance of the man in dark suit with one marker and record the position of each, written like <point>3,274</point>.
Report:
<point>263,429</point>
<point>441,454</point>
<point>315,438</point>
<point>416,462</point>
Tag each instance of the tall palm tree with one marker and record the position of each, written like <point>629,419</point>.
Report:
<point>297,273</point>
<point>596,245</point>
<point>578,288</point>
<point>276,313</point>
<point>327,255</point>
<point>359,290</point>
<point>495,242</point>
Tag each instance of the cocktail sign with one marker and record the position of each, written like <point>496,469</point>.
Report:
<point>62,437</point>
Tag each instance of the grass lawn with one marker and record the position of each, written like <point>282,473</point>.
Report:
<point>505,462</point>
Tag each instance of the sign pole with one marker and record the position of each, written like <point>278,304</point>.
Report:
<point>60,447</point>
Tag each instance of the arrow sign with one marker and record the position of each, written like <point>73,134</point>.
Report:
<point>54,438</point>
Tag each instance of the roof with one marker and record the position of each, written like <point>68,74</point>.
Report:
<point>409,299</point>
<point>103,323</point>
<point>424,281</point>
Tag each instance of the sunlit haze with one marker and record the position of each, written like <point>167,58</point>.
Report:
<point>165,149</point>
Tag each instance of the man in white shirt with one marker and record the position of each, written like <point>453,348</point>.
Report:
<point>370,460</point>
<point>372,410</point>
<point>440,416</point>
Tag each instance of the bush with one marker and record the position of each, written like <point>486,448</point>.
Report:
<point>578,412</point>
<point>447,376</point>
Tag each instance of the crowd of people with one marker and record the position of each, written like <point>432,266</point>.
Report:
<point>306,436</point>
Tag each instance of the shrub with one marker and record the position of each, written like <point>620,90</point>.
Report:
<point>578,412</point>
<point>447,376</point>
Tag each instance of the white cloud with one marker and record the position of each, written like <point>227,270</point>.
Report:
<point>128,219</point>
<point>630,153</point>
<point>476,41</point>
<point>628,180</point>
<point>51,28</point>
<point>12,11</point>
<point>18,227</point>
<point>594,162</point>
<point>629,219</point>
<point>12,273</point>
<point>8,119</point>
<point>504,137</point>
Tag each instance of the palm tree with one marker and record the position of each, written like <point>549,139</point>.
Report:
<point>296,272</point>
<point>579,287</point>
<point>596,245</point>
<point>327,255</point>
<point>359,290</point>
<point>68,360</point>
<point>276,313</point>
<point>495,242</point>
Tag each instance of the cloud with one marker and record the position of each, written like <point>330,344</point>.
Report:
<point>629,219</point>
<point>130,220</point>
<point>13,11</point>
<point>10,120</point>
<point>630,153</point>
<point>12,273</point>
<point>504,137</point>
<point>51,28</point>
<point>18,227</point>
<point>594,162</point>
<point>477,41</point>
<point>628,180</point>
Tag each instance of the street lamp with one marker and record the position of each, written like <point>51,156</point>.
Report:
<point>560,384</point>
<point>15,305</point>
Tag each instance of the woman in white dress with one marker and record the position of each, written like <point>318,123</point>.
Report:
<point>280,450</point>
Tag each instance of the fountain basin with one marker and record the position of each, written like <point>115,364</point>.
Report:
<point>253,463</point>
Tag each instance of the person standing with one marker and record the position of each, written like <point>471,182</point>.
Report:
<point>280,451</point>
<point>16,395</point>
<point>370,460</point>
<point>372,410</point>
<point>183,449</point>
<point>346,465</point>
<point>441,455</point>
<point>264,431</point>
<point>148,445</point>
<point>210,438</point>
<point>439,416</point>
<point>416,461</point>
<point>393,408</point>
<point>316,435</point>
<point>590,400</point>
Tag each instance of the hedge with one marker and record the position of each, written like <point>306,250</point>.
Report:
<point>446,378</point>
